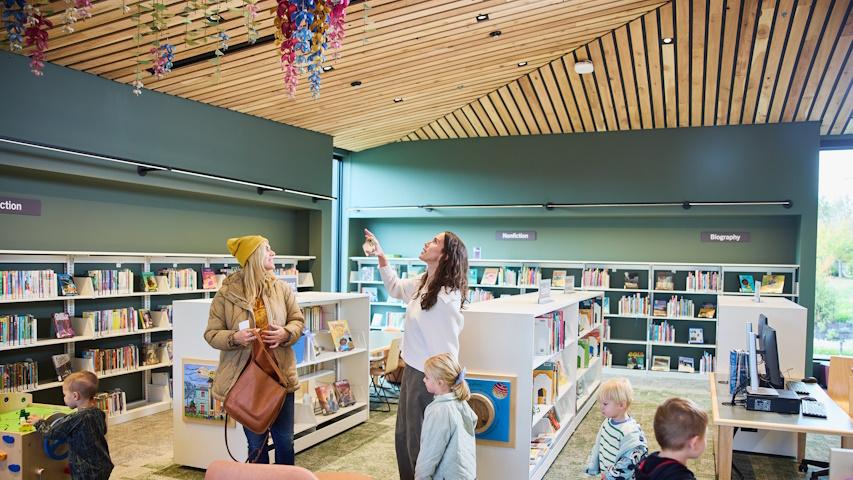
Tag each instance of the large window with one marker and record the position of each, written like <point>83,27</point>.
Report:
<point>834,286</point>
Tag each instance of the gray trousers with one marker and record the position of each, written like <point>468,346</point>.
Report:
<point>414,399</point>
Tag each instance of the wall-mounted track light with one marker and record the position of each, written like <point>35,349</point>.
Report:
<point>552,206</point>
<point>144,168</point>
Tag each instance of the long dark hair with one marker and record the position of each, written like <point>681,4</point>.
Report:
<point>452,272</point>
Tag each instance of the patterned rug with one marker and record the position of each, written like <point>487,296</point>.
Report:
<point>142,449</point>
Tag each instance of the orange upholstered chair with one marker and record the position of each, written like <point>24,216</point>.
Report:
<point>228,470</point>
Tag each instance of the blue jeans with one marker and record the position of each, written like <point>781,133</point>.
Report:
<point>281,432</point>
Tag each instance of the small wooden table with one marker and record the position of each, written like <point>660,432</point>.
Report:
<point>726,418</point>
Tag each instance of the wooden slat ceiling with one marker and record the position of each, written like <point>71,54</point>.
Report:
<point>732,62</point>
<point>432,53</point>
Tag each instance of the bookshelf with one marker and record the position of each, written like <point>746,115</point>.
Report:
<point>133,381</point>
<point>520,351</point>
<point>629,332</point>
<point>197,444</point>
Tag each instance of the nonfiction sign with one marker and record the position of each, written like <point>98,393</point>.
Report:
<point>20,206</point>
<point>725,237</point>
<point>516,235</point>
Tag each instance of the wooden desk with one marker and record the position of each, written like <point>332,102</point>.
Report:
<point>380,341</point>
<point>726,418</point>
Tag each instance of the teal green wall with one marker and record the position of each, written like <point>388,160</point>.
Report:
<point>762,162</point>
<point>81,213</point>
<point>78,110</point>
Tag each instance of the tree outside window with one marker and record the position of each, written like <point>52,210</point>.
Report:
<point>834,284</point>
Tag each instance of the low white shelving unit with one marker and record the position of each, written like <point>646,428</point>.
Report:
<point>197,444</point>
<point>499,341</point>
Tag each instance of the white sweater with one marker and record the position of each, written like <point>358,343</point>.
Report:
<point>427,332</point>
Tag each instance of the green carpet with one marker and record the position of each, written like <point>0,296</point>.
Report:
<point>142,449</point>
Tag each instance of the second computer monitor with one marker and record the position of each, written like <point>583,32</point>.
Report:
<point>771,357</point>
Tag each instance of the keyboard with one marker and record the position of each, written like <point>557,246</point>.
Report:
<point>798,387</point>
<point>813,409</point>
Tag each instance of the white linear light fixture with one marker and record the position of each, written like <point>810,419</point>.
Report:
<point>143,168</point>
<point>686,205</point>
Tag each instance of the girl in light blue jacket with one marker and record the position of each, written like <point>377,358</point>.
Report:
<point>447,450</point>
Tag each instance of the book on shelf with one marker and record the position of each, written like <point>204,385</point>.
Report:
<point>344,392</point>
<point>396,320</point>
<point>367,274</point>
<point>150,354</point>
<point>18,330</point>
<point>660,363</point>
<point>679,307</point>
<point>738,369</point>
<point>703,281</point>
<point>208,278</point>
<point>111,282</point>
<point>636,360</point>
<point>372,293</point>
<point>66,285</point>
<point>545,384</point>
<point>18,376</point>
<point>62,363</point>
<point>490,276</point>
<point>377,320</point>
<point>339,329</point>
<point>696,335</point>
<point>772,283</point>
<point>659,308</point>
<point>595,278</point>
<point>145,319</point>
<point>166,345</point>
<point>685,364</point>
<point>326,397</point>
<point>707,363</point>
<point>112,403</point>
<point>558,279</point>
<point>314,318</point>
<point>28,284</point>
<point>664,281</point>
<point>605,305</point>
<point>632,280</point>
<point>472,276</point>
<point>62,325</point>
<point>149,283</point>
<point>746,284</point>
<point>707,310</point>
<point>553,419</point>
<point>662,332</point>
<point>635,304</point>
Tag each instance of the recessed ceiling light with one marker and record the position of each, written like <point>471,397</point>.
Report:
<point>328,68</point>
<point>666,40</point>
<point>356,83</point>
<point>398,99</point>
<point>495,34</point>
<point>583,67</point>
<point>482,17</point>
<point>522,64</point>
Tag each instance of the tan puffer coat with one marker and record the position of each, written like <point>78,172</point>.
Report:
<point>230,307</point>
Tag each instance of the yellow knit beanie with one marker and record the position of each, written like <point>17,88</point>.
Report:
<point>243,247</point>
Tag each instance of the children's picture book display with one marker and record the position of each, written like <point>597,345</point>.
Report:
<point>746,284</point>
<point>62,325</point>
<point>660,363</point>
<point>327,397</point>
<point>208,279</point>
<point>632,280</point>
<point>66,284</point>
<point>685,364</point>
<point>339,329</point>
<point>344,392</point>
<point>372,293</point>
<point>696,335</point>
<point>707,310</point>
<point>636,360</point>
<point>149,283</point>
<point>198,404</point>
<point>772,283</point>
<point>62,363</point>
<point>664,281</point>
<point>558,279</point>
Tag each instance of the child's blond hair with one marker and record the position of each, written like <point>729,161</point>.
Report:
<point>617,390</point>
<point>85,383</point>
<point>444,367</point>
<point>677,420</point>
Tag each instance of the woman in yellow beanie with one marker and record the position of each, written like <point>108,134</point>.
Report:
<point>254,296</point>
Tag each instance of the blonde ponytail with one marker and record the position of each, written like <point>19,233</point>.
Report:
<point>444,367</point>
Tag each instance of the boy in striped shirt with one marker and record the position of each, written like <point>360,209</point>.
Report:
<point>620,444</point>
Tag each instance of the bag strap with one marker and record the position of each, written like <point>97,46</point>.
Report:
<point>265,360</point>
<point>260,450</point>
<point>664,462</point>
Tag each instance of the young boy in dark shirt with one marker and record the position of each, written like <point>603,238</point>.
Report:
<point>85,430</point>
<point>680,430</point>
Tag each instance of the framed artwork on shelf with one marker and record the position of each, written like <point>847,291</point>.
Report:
<point>697,335</point>
<point>660,363</point>
<point>493,400</point>
<point>199,404</point>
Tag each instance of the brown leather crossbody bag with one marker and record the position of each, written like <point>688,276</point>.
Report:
<point>256,398</point>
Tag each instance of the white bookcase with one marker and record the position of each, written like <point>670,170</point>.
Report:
<point>197,444</point>
<point>500,340</point>
<point>76,263</point>
<point>630,332</point>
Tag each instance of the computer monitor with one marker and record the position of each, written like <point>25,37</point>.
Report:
<point>771,358</point>
<point>762,324</point>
